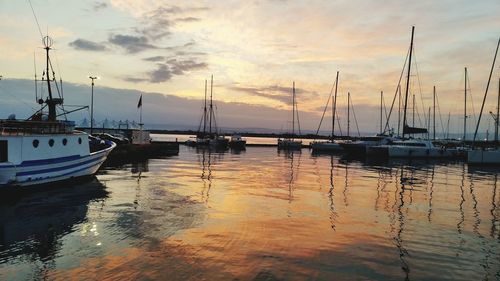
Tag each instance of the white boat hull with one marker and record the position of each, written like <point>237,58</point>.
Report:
<point>412,152</point>
<point>59,166</point>
<point>483,157</point>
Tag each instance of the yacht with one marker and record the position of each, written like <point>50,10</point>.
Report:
<point>360,146</point>
<point>412,148</point>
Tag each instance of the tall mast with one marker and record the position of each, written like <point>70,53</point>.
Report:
<point>486,92</point>
<point>211,105</point>
<point>334,105</point>
<point>434,115</point>
<point>408,79</point>
<point>52,107</point>
<point>465,105</point>
<point>205,111</point>
<point>293,109</point>
<point>381,97</point>
<point>51,102</point>
<point>348,113</point>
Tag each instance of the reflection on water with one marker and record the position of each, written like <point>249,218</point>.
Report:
<point>260,214</point>
<point>32,225</point>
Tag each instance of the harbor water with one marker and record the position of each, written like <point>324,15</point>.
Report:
<point>259,214</point>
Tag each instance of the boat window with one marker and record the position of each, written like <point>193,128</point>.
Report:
<point>3,151</point>
<point>79,140</point>
<point>64,141</point>
<point>36,143</point>
<point>51,142</point>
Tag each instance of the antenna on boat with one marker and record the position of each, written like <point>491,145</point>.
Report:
<point>34,65</point>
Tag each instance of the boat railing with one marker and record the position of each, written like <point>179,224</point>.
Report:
<point>23,127</point>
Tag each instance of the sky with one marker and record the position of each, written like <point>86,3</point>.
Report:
<point>255,50</point>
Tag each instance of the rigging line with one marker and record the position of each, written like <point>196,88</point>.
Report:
<point>396,92</point>
<point>34,65</point>
<point>355,119</point>
<point>36,20</point>
<point>201,120</point>
<point>440,117</point>
<point>471,99</point>
<point>16,98</point>
<point>485,93</point>
<point>326,107</point>
<point>297,113</point>
<point>338,123</point>
<point>418,117</point>
<point>385,108</point>
<point>420,87</point>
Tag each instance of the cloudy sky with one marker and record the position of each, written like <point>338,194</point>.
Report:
<point>255,49</point>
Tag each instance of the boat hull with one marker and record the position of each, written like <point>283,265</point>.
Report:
<point>241,144</point>
<point>354,148</point>
<point>289,144</point>
<point>483,157</point>
<point>411,152</point>
<point>326,147</point>
<point>45,171</point>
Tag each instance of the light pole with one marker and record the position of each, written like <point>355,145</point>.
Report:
<point>92,104</point>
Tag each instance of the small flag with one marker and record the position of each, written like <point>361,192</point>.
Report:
<point>140,102</point>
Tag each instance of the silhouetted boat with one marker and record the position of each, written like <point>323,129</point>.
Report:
<point>331,145</point>
<point>236,142</point>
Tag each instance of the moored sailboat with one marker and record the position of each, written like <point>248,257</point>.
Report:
<point>290,143</point>
<point>209,136</point>
<point>411,148</point>
<point>331,145</point>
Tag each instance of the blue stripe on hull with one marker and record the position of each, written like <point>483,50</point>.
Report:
<point>68,175</point>
<point>49,161</point>
<point>27,173</point>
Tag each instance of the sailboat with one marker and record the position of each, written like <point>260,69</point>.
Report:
<point>411,148</point>
<point>209,136</point>
<point>486,156</point>
<point>41,149</point>
<point>289,143</point>
<point>360,146</point>
<point>330,145</point>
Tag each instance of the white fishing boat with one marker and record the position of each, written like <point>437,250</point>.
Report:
<point>43,150</point>
<point>289,143</point>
